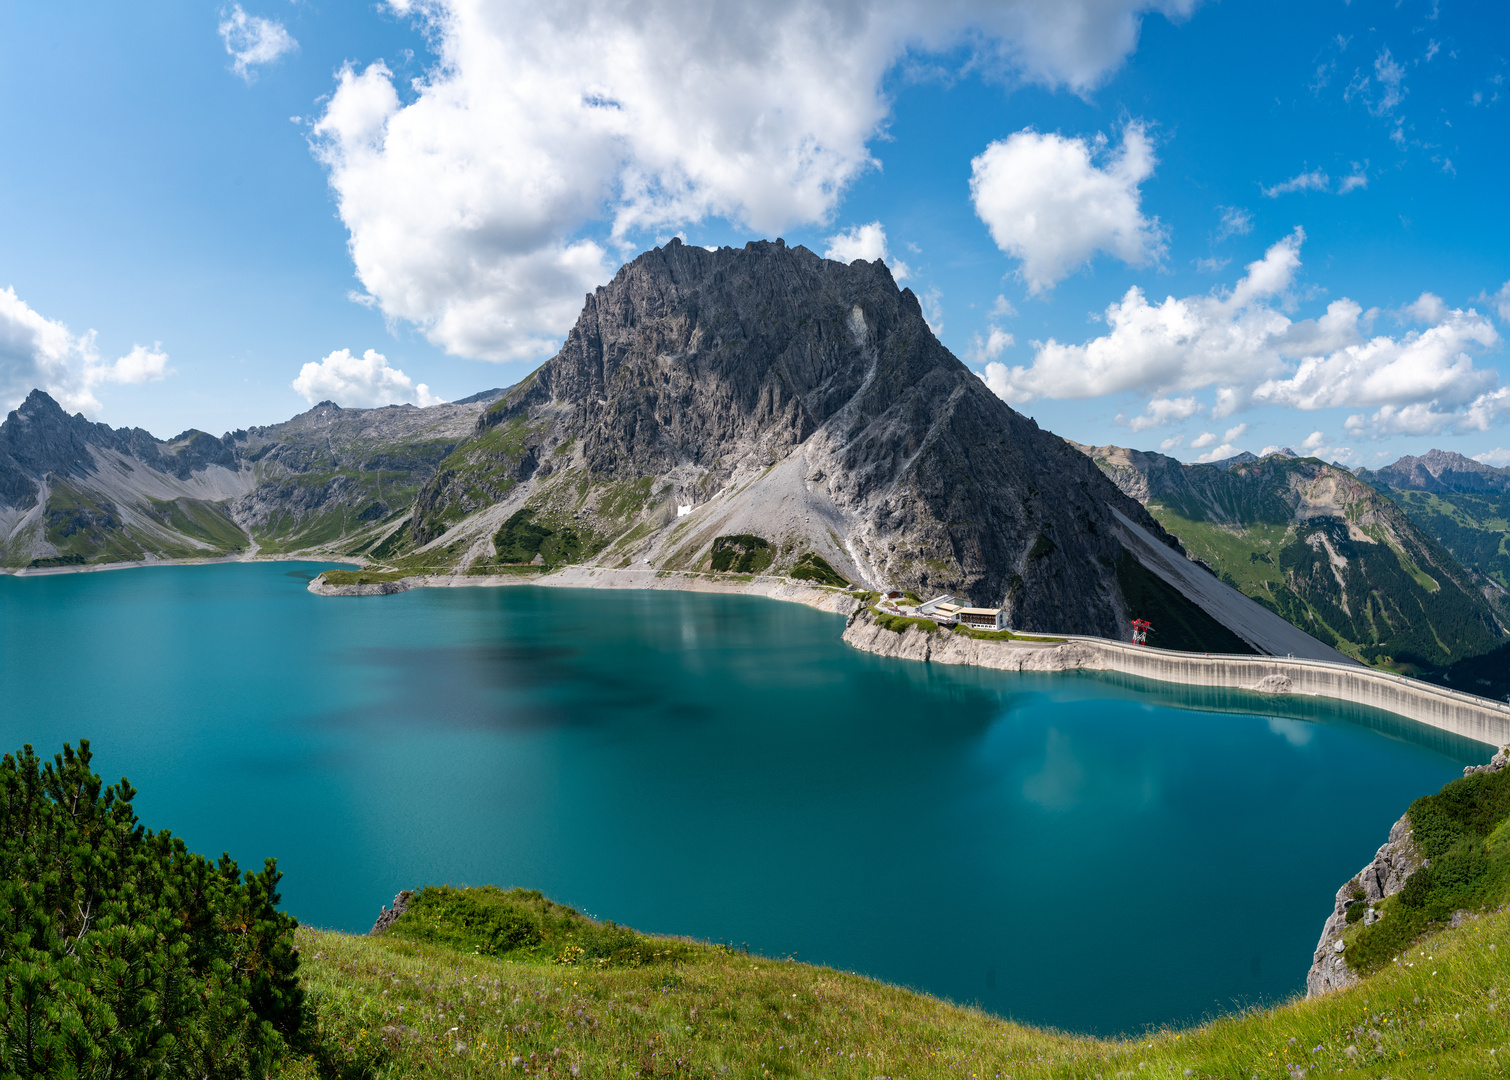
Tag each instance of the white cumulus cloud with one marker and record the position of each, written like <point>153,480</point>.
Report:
<point>548,140</point>
<point>38,353</point>
<point>359,382</point>
<point>1228,444</point>
<point>140,365</point>
<point>1161,412</point>
<point>1486,410</point>
<point>252,41</point>
<point>866,242</point>
<point>1179,345</point>
<point>1240,345</point>
<point>985,349</point>
<point>1049,204</point>
<point>1422,367</point>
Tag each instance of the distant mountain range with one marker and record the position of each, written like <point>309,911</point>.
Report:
<point>330,479</point>
<point>1461,503</point>
<point>1347,557</point>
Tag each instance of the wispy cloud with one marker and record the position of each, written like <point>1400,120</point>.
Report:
<point>1382,92</point>
<point>1236,221</point>
<point>1315,180</point>
<point>252,40</point>
<point>1358,179</point>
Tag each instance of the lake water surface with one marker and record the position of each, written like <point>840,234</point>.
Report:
<point>1092,853</point>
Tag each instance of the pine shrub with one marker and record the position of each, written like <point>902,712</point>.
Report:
<point>122,953</point>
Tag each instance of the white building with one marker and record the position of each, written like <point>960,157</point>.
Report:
<point>982,618</point>
<point>945,611</point>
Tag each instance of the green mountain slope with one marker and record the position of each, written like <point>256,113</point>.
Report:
<point>1324,550</point>
<point>1461,503</point>
<point>1487,675</point>
<point>328,481</point>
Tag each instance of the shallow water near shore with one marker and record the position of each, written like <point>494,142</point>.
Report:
<point>1093,853</point>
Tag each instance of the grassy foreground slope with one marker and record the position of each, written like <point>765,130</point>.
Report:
<point>399,1005</point>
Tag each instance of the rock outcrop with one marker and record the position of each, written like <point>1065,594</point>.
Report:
<point>1384,876</point>
<point>388,916</point>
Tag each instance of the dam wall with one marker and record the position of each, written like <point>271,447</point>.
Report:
<point>1462,714</point>
<point>1466,715</point>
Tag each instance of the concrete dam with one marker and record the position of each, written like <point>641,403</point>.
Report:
<point>1466,715</point>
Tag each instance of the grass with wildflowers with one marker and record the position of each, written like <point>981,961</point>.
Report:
<point>431,1002</point>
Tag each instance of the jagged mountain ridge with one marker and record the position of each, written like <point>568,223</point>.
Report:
<point>766,391</point>
<point>76,491</point>
<point>1463,504</point>
<point>1327,551</point>
<point>1441,471</point>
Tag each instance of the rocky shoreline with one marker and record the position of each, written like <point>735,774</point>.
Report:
<point>1386,875</point>
<point>823,598</point>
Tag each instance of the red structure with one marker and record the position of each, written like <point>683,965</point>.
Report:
<point>1141,627</point>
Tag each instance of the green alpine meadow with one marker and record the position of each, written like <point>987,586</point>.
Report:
<point>126,954</point>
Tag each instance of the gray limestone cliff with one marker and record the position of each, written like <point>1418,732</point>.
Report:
<point>1386,875</point>
<point>766,391</point>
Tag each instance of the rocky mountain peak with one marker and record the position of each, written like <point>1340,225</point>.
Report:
<point>39,406</point>
<point>1441,471</point>
<point>767,392</point>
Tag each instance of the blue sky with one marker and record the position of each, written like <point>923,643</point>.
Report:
<point>404,201</point>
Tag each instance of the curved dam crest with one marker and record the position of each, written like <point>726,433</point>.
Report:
<point>1466,715</point>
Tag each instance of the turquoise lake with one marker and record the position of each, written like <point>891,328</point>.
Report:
<point>1094,853</point>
